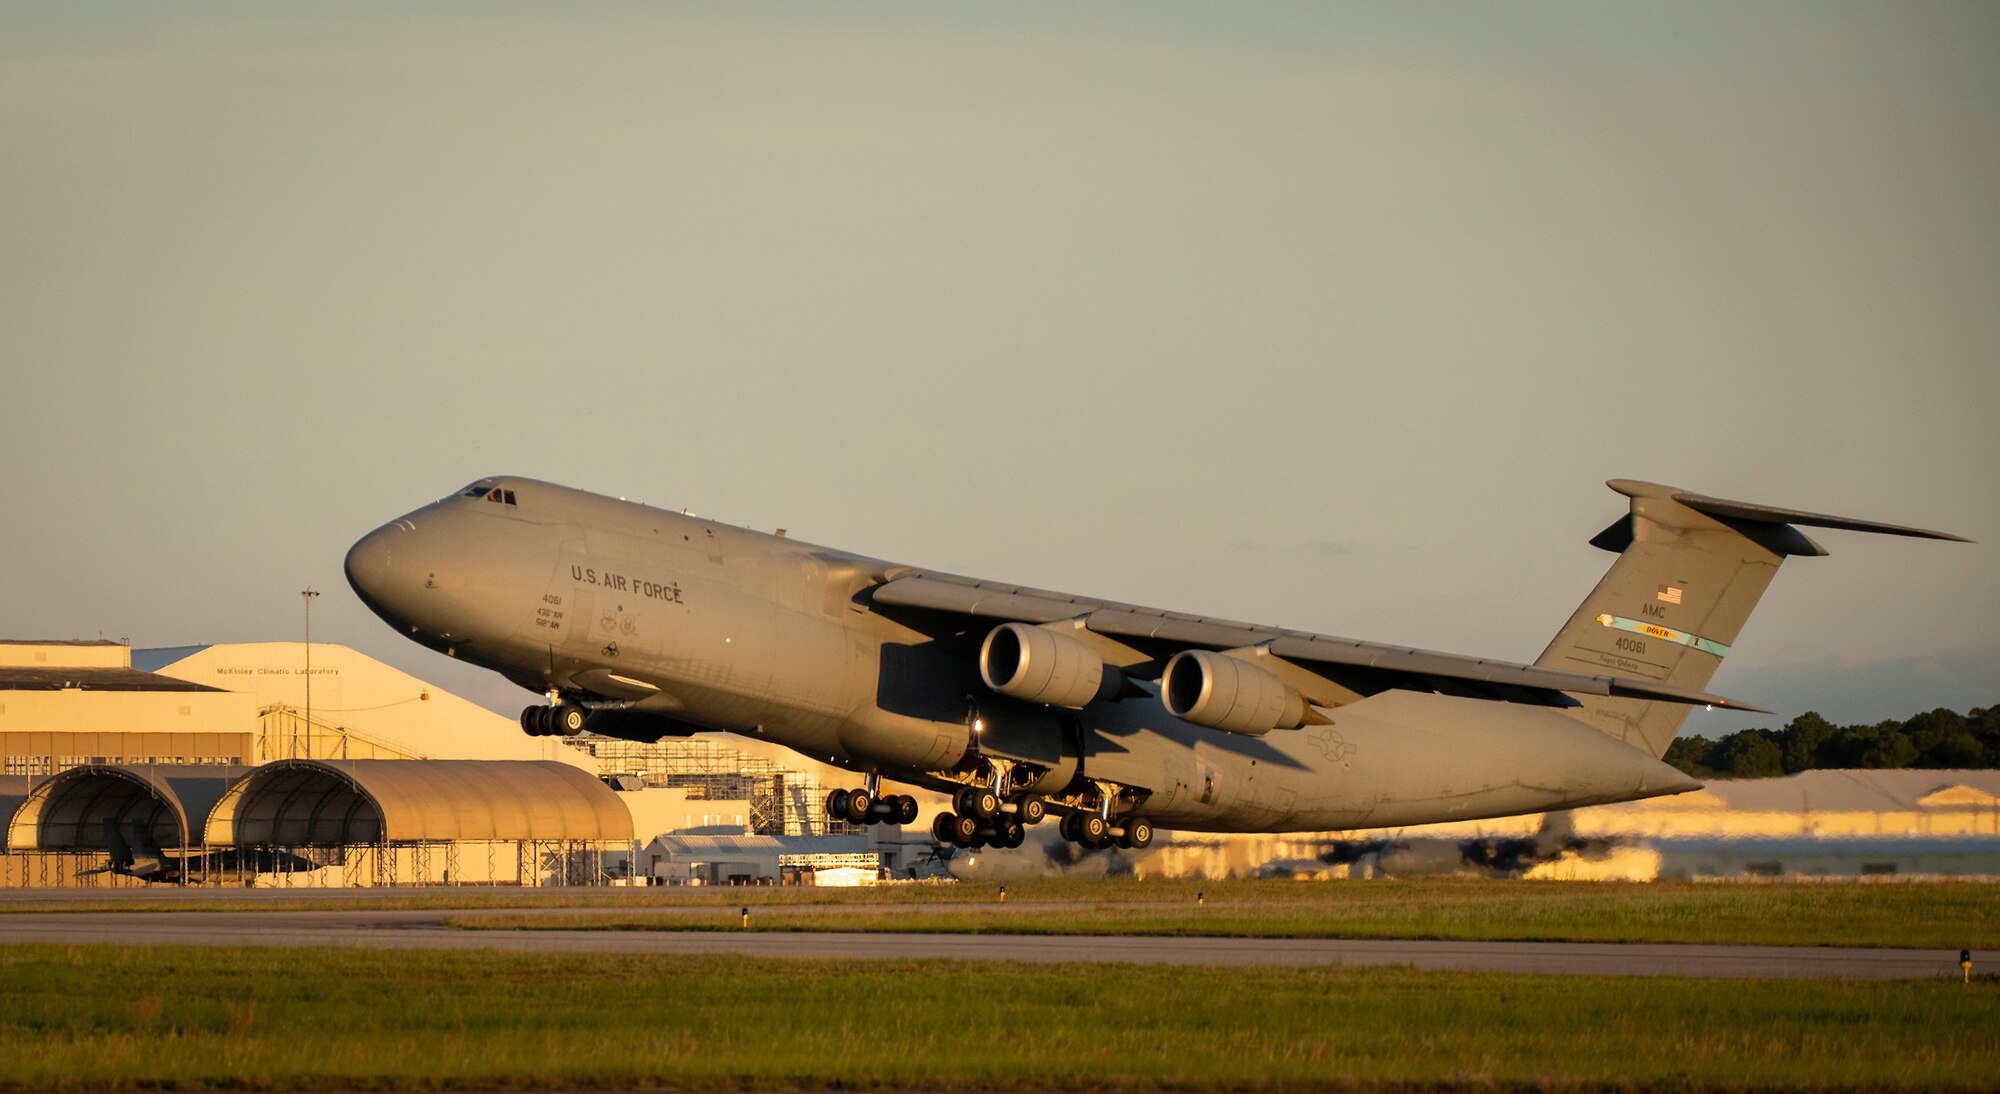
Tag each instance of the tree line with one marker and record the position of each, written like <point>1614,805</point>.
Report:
<point>1935,738</point>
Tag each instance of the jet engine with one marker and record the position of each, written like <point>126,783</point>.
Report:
<point>1043,666</point>
<point>1229,693</point>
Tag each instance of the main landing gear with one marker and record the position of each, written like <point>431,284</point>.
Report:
<point>982,819</point>
<point>563,719</point>
<point>866,805</point>
<point>1093,826</point>
<point>1093,831</point>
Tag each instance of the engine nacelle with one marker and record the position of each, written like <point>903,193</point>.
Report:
<point>1042,666</point>
<point>1229,693</point>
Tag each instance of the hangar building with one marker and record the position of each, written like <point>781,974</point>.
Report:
<point>203,764</point>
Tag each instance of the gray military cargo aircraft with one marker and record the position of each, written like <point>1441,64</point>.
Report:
<point>641,623</point>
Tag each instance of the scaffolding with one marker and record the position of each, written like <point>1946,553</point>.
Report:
<point>283,733</point>
<point>783,802</point>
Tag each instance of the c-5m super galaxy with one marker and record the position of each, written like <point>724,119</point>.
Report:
<point>642,623</point>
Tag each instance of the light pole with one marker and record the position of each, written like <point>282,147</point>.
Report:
<point>307,595</point>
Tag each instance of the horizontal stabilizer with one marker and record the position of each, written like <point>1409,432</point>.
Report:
<point>1617,537</point>
<point>1636,689</point>
<point>1771,514</point>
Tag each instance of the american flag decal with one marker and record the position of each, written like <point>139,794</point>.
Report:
<point>1669,593</point>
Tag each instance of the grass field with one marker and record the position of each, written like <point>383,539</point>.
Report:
<point>1931,915</point>
<point>1917,915</point>
<point>77,1018</point>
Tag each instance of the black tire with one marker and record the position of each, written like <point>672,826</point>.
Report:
<point>964,829</point>
<point>569,720</point>
<point>1138,836</point>
<point>1094,829</point>
<point>985,804</point>
<point>858,806</point>
<point>1067,828</point>
<point>1031,809</point>
<point>1012,834</point>
<point>836,805</point>
<point>906,809</point>
<point>531,718</point>
<point>961,799</point>
<point>943,826</point>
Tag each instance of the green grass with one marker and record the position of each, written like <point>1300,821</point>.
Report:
<point>100,1017</point>
<point>1941,915</point>
<point>1930,915</point>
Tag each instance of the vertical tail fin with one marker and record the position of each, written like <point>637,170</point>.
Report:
<point>114,841</point>
<point>1690,569</point>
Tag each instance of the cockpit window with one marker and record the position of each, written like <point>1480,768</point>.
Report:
<point>491,493</point>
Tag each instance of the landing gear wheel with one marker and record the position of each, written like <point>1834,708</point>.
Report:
<point>977,801</point>
<point>858,805</point>
<point>533,719</point>
<point>1095,830</point>
<point>568,720</point>
<point>836,805</point>
<point>1030,809</point>
<point>944,827</point>
<point>1067,828</point>
<point>1011,834</point>
<point>1138,836</point>
<point>906,809</point>
<point>964,829</point>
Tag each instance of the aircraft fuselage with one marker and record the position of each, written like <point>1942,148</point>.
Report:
<point>661,622</point>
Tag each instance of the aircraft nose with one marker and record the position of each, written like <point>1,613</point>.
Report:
<point>373,570</point>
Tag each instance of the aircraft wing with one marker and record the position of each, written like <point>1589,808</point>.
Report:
<point>1352,668</point>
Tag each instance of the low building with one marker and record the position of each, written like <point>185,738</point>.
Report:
<point>693,858</point>
<point>71,704</point>
<point>1813,824</point>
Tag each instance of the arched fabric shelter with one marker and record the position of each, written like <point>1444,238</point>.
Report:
<point>329,803</point>
<point>68,811</point>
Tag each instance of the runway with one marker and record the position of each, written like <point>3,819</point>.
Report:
<point>312,929</point>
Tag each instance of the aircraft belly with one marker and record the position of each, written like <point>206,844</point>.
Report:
<point>1409,758</point>
<point>1394,759</point>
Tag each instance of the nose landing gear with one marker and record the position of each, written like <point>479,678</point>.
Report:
<point>563,719</point>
